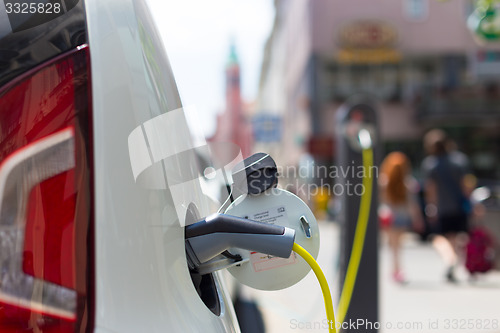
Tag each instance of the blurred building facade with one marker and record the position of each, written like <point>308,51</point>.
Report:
<point>417,58</point>
<point>284,85</point>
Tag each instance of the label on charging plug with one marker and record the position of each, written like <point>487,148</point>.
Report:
<point>275,215</point>
<point>263,262</point>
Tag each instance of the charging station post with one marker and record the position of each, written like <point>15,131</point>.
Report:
<point>352,117</point>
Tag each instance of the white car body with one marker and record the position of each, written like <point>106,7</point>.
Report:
<point>142,279</point>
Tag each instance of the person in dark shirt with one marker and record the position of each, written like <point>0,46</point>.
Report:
<point>447,204</point>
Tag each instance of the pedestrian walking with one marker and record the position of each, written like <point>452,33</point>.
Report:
<point>398,197</point>
<point>447,202</point>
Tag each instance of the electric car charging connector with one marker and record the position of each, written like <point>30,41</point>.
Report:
<point>209,238</point>
<point>219,232</point>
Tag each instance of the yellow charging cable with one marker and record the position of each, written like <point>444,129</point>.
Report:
<point>357,247</point>
<point>359,236</point>
<point>330,316</point>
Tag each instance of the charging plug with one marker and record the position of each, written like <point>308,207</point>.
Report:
<point>208,238</point>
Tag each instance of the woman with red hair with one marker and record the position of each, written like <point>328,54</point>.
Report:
<point>397,189</point>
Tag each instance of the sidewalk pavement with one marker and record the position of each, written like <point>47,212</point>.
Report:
<point>426,304</point>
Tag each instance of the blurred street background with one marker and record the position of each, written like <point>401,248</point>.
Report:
<point>271,76</point>
<point>414,307</point>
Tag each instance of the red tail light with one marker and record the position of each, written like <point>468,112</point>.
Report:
<point>45,201</point>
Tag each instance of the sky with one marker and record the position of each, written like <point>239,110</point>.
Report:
<point>197,35</point>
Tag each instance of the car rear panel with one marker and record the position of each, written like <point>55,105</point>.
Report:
<point>46,246</point>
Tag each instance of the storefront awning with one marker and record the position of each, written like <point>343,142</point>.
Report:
<point>368,56</point>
